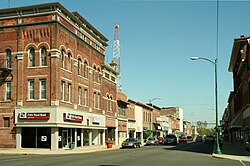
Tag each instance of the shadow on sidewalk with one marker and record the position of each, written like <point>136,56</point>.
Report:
<point>232,149</point>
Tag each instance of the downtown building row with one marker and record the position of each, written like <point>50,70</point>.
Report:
<point>57,92</point>
<point>235,122</point>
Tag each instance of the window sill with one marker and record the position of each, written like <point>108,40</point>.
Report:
<point>5,101</point>
<point>5,128</point>
<point>82,77</point>
<point>36,67</point>
<point>66,70</point>
<point>36,100</point>
<point>68,102</point>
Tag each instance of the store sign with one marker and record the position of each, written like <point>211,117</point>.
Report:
<point>96,121</point>
<point>36,115</point>
<point>72,117</point>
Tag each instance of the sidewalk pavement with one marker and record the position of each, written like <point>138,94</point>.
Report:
<point>30,151</point>
<point>233,152</point>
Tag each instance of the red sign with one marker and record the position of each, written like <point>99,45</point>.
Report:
<point>25,115</point>
<point>72,117</point>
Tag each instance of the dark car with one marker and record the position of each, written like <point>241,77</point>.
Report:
<point>209,139</point>
<point>183,139</point>
<point>199,138</point>
<point>190,138</point>
<point>131,143</point>
<point>170,139</point>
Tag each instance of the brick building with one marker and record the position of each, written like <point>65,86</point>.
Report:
<point>56,90</point>
<point>237,116</point>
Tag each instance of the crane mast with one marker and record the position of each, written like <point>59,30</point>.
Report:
<point>116,57</point>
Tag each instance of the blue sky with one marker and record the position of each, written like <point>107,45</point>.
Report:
<point>157,40</point>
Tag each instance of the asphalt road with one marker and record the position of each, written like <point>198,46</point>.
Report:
<point>191,154</point>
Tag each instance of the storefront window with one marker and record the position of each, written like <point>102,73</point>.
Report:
<point>85,138</point>
<point>36,137</point>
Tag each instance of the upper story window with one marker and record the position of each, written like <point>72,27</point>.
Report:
<point>99,76</point>
<point>94,99</point>
<point>8,58</point>
<point>62,90</point>
<point>69,92</point>
<point>31,57</point>
<point>62,59</point>
<point>69,62</point>
<point>31,89</point>
<point>79,66</point>
<point>99,101</point>
<point>79,95</point>
<point>85,100</point>
<point>8,91</point>
<point>42,89</point>
<point>110,105</point>
<point>85,74</point>
<point>6,123</point>
<point>94,74</point>
<point>43,56</point>
<point>107,104</point>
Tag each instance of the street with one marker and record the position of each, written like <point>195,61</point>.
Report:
<point>193,154</point>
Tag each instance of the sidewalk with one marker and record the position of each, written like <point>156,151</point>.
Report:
<point>233,152</point>
<point>89,149</point>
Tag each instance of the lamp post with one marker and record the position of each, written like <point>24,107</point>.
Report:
<point>150,100</point>
<point>218,151</point>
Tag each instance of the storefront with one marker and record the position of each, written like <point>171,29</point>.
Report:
<point>157,130</point>
<point>122,130</point>
<point>131,128</point>
<point>57,128</point>
<point>111,129</point>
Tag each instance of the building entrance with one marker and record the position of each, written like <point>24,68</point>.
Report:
<point>68,136</point>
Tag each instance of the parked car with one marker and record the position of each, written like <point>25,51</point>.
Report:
<point>183,139</point>
<point>190,138</point>
<point>160,140</point>
<point>131,142</point>
<point>199,138</point>
<point>209,139</point>
<point>170,139</point>
<point>152,141</point>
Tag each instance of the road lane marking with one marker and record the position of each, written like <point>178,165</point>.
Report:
<point>242,163</point>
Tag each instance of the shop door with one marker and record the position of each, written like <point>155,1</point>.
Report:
<point>65,142</point>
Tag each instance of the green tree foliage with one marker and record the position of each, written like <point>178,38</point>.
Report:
<point>202,129</point>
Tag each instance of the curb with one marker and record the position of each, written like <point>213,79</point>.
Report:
<point>54,152</point>
<point>231,157</point>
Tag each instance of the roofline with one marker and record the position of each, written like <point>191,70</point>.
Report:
<point>235,49</point>
<point>54,6</point>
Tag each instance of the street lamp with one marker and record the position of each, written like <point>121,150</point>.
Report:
<point>150,100</point>
<point>218,151</point>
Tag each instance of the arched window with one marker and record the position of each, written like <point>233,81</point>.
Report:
<point>69,62</point>
<point>79,66</point>
<point>107,103</point>
<point>99,75</point>
<point>85,74</point>
<point>31,57</point>
<point>94,74</point>
<point>62,59</point>
<point>8,58</point>
<point>43,55</point>
<point>110,105</point>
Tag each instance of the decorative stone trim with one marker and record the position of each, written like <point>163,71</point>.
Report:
<point>55,53</point>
